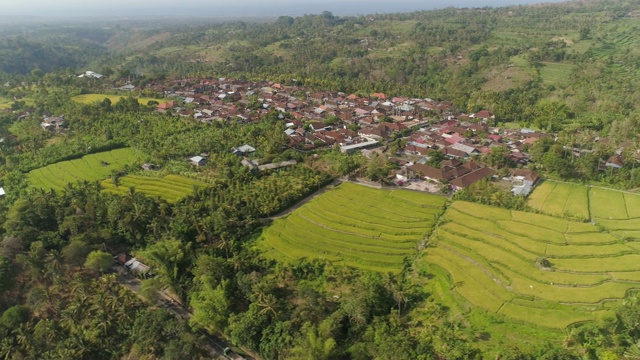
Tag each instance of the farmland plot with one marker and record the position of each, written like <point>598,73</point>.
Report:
<point>356,226</point>
<point>534,268</point>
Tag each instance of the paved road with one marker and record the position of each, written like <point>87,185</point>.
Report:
<point>214,345</point>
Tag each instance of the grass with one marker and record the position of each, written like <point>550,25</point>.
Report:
<point>356,226</point>
<point>556,73</point>
<point>491,258</point>
<point>608,204</point>
<point>539,196</point>
<point>92,98</point>
<point>555,224</point>
<point>171,187</point>
<point>88,168</point>
<point>555,318</point>
<point>5,103</point>
<point>613,209</point>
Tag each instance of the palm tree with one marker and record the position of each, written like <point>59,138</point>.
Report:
<point>8,348</point>
<point>268,303</point>
<point>53,266</point>
<point>633,352</point>
<point>23,336</point>
<point>46,331</point>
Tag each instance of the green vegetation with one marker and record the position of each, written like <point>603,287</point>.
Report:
<point>556,73</point>
<point>88,168</point>
<point>613,209</point>
<point>92,98</point>
<point>496,264</point>
<point>357,226</point>
<point>171,187</point>
<point>5,103</point>
<point>344,276</point>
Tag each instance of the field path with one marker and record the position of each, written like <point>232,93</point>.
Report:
<point>317,193</point>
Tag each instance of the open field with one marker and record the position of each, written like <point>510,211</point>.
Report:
<point>492,257</point>
<point>355,226</point>
<point>556,73</point>
<point>5,103</point>
<point>613,209</point>
<point>89,168</point>
<point>92,98</point>
<point>171,187</point>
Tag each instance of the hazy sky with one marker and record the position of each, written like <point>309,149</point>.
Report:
<point>231,8</point>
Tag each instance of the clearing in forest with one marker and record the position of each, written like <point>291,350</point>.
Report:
<point>356,226</point>
<point>556,73</point>
<point>88,168</point>
<point>533,268</point>
<point>170,188</point>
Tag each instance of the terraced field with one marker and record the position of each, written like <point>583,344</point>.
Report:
<point>613,209</point>
<point>171,187</point>
<point>90,168</point>
<point>493,258</point>
<point>356,226</point>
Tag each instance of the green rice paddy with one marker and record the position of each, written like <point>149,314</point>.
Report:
<point>92,98</point>
<point>356,226</point>
<point>88,168</point>
<point>613,209</point>
<point>493,258</point>
<point>171,187</point>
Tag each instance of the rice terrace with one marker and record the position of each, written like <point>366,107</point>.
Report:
<point>91,98</point>
<point>101,165</point>
<point>357,226</point>
<point>535,268</point>
<point>88,168</point>
<point>171,187</point>
<point>531,268</point>
<point>613,209</point>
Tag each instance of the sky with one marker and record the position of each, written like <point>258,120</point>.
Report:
<point>218,8</point>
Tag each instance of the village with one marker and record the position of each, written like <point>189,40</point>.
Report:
<point>408,130</point>
<point>350,122</point>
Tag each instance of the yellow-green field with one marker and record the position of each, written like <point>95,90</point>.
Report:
<point>171,187</point>
<point>356,226</point>
<point>556,73</point>
<point>613,209</point>
<point>492,257</point>
<point>6,103</point>
<point>89,168</point>
<point>92,98</point>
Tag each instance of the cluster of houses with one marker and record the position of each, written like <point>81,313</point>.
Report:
<point>350,122</point>
<point>353,122</point>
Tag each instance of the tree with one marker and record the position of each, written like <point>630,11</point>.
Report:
<point>13,317</point>
<point>377,169</point>
<point>75,253</point>
<point>170,258</point>
<point>6,274</point>
<point>98,261</point>
<point>497,157</point>
<point>210,307</point>
<point>315,343</point>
